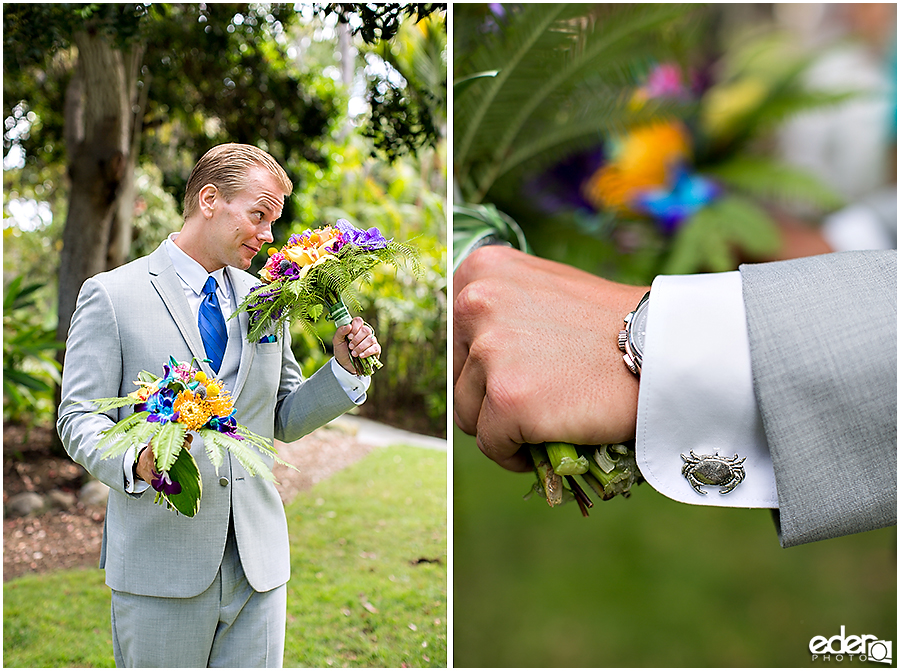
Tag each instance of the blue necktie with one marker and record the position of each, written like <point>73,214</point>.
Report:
<point>212,325</point>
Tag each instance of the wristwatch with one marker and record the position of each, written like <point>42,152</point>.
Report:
<point>631,338</point>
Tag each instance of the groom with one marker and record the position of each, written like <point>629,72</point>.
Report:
<point>208,590</point>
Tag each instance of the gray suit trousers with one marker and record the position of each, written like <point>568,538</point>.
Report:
<point>230,625</point>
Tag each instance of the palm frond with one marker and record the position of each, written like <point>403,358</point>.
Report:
<point>769,179</point>
<point>552,54</point>
<point>531,27</point>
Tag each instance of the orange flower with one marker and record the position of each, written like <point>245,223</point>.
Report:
<point>643,159</point>
<point>192,410</point>
<point>220,405</point>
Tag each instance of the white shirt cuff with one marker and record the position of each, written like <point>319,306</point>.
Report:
<point>696,393</point>
<point>355,386</point>
<point>132,484</point>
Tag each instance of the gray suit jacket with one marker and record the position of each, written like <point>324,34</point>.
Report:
<point>132,319</point>
<point>823,346</point>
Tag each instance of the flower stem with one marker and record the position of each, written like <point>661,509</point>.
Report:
<point>565,459</point>
<point>584,501</point>
<point>341,317</point>
<point>547,477</point>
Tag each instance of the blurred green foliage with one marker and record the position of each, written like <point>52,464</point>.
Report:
<point>549,99</point>
<point>405,198</point>
<point>648,582</point>
<point>30,369</point>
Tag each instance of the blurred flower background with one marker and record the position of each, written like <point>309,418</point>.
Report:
<point>632,140</point>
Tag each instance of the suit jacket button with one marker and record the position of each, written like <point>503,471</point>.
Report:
<point>223,481</point>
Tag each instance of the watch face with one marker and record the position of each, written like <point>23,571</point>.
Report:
<point>639,329</point>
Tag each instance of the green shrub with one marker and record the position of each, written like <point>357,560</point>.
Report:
<point>30,369</point>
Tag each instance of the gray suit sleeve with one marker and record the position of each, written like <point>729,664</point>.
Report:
<point>823,346</point>
<point>304,405</point>
<point>93,369</point>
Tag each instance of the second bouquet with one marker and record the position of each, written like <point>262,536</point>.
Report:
<point>310,275</point>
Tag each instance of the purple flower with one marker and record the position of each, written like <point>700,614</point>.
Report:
<point>161,482</point>
<point>369,240</point>
<point>160,406</point>
<point>561,187</point>
<point>289,270</point>
<point>226,425</point>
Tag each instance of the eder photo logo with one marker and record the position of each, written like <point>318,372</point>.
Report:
<point>865,648</point>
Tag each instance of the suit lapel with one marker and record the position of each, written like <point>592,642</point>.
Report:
<point>241,288</point>
<point>168,285</point>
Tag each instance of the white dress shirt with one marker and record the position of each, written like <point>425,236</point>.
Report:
<point>696,391</point>
<point>193,277</point>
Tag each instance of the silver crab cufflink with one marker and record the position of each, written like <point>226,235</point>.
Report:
<point>706,469</point>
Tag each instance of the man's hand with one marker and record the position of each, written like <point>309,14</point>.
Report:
<point>357,339</point>
<point>146,464</point>
<point>536,357</point>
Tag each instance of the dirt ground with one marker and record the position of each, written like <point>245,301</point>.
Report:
<point>71,538</point>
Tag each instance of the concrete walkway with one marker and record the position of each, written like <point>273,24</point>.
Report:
<point>382,435</point>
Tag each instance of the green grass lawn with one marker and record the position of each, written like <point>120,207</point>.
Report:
<point>368,585</point>
<point>649,582</point>
<point>369,565</point>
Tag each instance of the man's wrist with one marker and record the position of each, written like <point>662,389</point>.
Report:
<point>134,467</point>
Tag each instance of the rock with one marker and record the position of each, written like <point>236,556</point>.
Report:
<point>94,493</point>
<point>61,500</point>
<point>25,504</point>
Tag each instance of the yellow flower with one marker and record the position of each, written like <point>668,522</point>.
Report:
<point>726,105</point>
<point>192,410</point>
<point>642,159</point>
<point>141,394</point>
<point>266,275</point>
<point>302,256</point>
<point>200,376</point>
<point>212,389</point>
<point>220,405</point>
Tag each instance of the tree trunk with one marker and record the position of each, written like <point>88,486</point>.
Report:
<point>101,133</point>
<point>100,124</point>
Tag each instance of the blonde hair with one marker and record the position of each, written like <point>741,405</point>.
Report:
<point>225,166</point>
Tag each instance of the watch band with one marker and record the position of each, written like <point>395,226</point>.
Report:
<point>633,351</point>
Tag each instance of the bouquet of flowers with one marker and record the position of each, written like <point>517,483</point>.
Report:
<point>310,274</point>
<point>166,409</point>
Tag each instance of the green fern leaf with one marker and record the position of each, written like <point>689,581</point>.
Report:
<point>167,443</point>
<point>133,431</point>
<point>107,404</point>
<point>243,451</point>
<point>708,240</point>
